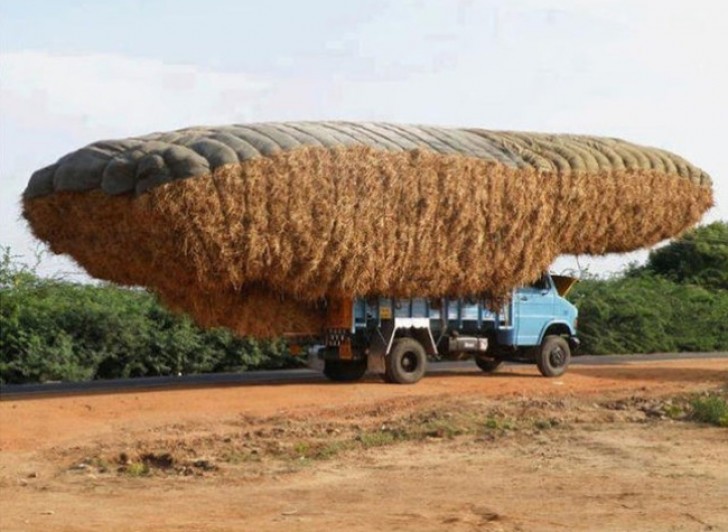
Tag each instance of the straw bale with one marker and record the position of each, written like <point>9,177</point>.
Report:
<point>254,227</point>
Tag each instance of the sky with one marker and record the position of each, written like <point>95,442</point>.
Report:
<point>73,72</point>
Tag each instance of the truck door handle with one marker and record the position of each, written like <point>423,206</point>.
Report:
<point>524,298</point>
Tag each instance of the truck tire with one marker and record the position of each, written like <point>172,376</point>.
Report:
<point>488,365</point>
<point>553,357</point>
<point>345,371</point>
<point>406,362</point>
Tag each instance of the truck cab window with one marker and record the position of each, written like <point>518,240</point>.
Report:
<point>542,283</point>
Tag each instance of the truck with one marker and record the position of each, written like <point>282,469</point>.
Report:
<point>396,337</point>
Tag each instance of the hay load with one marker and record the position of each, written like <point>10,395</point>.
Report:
<point>253,226</point>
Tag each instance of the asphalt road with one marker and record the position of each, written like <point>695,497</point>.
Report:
<point>17,391</point>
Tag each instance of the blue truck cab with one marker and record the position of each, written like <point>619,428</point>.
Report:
<point>535,312</point>
<point>396,337</point>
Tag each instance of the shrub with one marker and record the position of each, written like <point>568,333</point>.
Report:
<point>712,409</point>
<point>56,330</point>
<point>646,314</point>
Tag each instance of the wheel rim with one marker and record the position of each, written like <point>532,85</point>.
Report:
<point>557,357</point>
<point>409,362</point>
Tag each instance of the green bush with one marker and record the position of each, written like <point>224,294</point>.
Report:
<point>645,314</point>
<point>678,301</point>
<point>699,257</point>
<point>712,409</point>
<point>55,330</point>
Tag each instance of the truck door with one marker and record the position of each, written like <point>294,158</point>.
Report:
<point>534,306</point>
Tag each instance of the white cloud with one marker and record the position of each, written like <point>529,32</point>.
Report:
<point>114,93</point>
<point>52,104</point>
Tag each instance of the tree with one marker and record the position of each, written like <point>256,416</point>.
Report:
<point>649,314</point>
<point>699,257</point>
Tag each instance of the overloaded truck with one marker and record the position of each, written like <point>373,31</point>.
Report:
<point>397,337</point>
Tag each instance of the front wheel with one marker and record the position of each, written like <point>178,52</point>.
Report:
<point>345,371</point>
<point>554,356</point>
<point>406,363</point>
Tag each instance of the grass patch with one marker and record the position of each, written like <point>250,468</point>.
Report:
<point>675,411</point>
<point>319,450</point>
<point>303,443</point>
<point>377,438</point>
<point>495,423</point>
<point>137,469</point>
<point>302,448</point>
<point>712,410</point>
<point>241,457</point>
<point>545,424</point>
<point>444,429</point>
<point>332,449</point>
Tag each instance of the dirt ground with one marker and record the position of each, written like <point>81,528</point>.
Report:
<point>602,448</point>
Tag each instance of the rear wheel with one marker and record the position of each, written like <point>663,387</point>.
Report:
<point>488,365</point>
<point>406,363</point>
<point>554,356</point>
<point>344,370</point>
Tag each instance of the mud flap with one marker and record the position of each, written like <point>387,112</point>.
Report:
<point>375,363</point>
<point>378,348</point>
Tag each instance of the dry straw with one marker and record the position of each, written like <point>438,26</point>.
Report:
<point>257,245</point>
